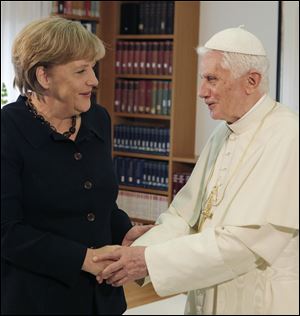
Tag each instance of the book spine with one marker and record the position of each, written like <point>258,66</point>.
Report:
<point>143,58</point>
<point>130,57</point>
<point>154,97</point>
<point>119,58</point>
<point>60,7</point>
<point>118,92</point>
<point>130,97</point>
<point>142,96</point>
<point>136,57</point>
<point>124,58</point>
<point>124,87</point>
<point>170,17</point>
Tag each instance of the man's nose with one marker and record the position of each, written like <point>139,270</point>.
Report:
<point>203,91</point>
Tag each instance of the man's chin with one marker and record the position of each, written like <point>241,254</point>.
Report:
<point>214,115</point>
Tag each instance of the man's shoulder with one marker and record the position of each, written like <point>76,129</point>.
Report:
<point>281,128</point>
<point>286,114</point>
<point>284,120</point>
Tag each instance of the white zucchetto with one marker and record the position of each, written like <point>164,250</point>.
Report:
<point>236,40</point>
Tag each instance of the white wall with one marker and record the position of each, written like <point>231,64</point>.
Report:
<point>260,18</point>
<point>289,81</point>
<point>14,16</point>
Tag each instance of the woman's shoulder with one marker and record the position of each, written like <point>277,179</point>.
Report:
<point>98,119</point>
<point>99,110</point>
<point>18,105</point>
<point>14,110</point>
<point>98,113</point>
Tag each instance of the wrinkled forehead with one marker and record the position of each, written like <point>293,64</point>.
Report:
<point>212,57</point>
<point>211,62</point>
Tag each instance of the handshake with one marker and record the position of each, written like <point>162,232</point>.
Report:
<point>118,264</point>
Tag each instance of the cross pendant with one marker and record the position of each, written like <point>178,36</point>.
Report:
<point>207,212</point>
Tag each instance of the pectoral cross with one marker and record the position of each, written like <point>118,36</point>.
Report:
<point>207,212</point>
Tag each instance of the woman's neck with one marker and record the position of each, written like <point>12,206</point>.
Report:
<point>48,108</point>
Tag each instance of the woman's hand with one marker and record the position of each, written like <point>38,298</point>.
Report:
<point>96,267</point>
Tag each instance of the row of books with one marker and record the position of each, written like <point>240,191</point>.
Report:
<point>144,57</point>
<point>142,205</point>
<point>80,8</point>
<point>178,181</point>
<point>91,26</point>
<point>144,173</point>
<point>147,17</point>
<point>147,140</point>
<point>143,96</point>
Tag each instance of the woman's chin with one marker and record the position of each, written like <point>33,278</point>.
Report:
<point>83,107</point>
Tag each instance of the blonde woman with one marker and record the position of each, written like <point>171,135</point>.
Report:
<point>58,187</point>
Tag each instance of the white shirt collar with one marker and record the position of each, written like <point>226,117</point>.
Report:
<point>253,116</point>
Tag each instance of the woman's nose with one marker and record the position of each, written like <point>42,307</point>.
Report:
<point>92,80</point>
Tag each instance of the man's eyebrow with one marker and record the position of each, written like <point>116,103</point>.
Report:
<point>205,75</point>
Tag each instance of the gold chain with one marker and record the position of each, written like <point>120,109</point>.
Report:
<point>209,203</point>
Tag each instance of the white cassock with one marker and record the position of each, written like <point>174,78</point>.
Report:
<point>245,259</point>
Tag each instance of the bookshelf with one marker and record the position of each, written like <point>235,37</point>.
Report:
<point>180,121</point>
<point>76,17</point>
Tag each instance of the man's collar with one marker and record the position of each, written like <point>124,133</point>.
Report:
<point>253,116</point>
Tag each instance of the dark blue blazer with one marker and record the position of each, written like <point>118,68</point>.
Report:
<point>58,197</point>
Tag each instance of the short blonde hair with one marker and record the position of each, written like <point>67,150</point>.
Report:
<point>47,42</point>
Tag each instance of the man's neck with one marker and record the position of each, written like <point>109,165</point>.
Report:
<point>248,103</point>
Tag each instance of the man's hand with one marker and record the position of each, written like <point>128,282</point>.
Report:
<point>97,267</point>
<point>130,265</point>
<point>135,232</point>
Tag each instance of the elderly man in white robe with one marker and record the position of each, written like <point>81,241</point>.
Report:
<point>230,236</point>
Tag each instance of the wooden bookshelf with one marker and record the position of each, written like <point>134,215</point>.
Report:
<point>77,17</point>
<point>145,37</point>
<point>187,160</point>
<point>181,120</point>
<point>154,77</point>
<point>143,116</point>
<point>137,295</point>
<point>144,190</point>
<point>141,156</point>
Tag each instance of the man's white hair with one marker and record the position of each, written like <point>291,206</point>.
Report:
<point>240,64</point>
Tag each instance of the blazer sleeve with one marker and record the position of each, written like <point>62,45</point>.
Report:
<point>120,222</point>
<point>22,244</point>
<point>120,225</point>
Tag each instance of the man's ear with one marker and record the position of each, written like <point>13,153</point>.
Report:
<point>42,77</point>
<point>253,81</point>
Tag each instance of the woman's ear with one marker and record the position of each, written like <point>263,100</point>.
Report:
<point>42,77</point>
<point>253,81</point>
